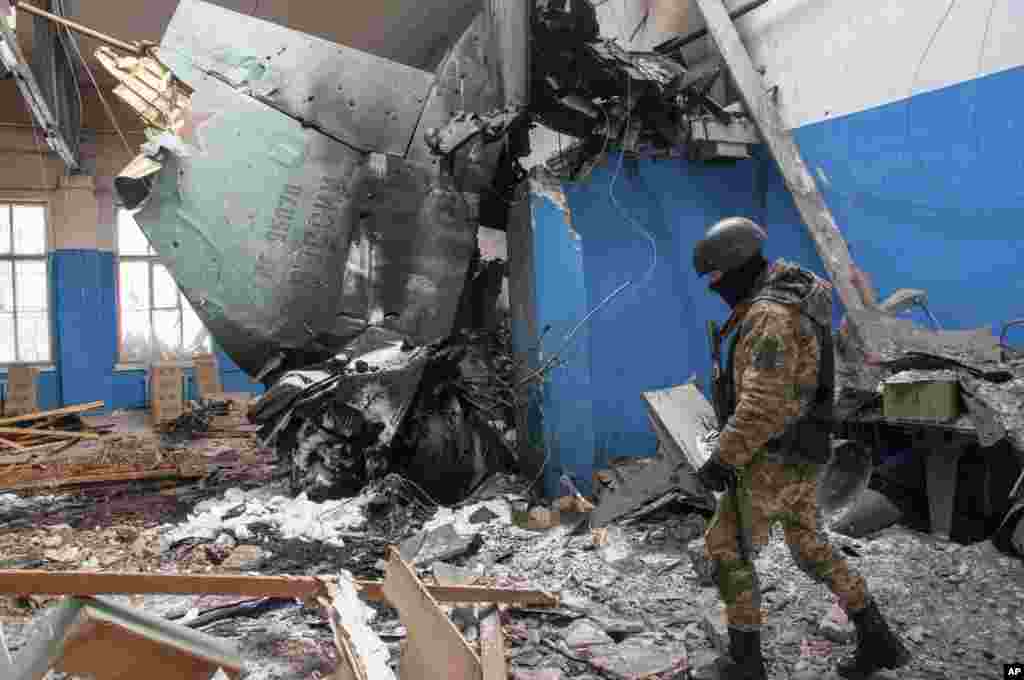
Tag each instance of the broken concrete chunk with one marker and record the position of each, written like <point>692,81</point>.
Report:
<point>702,566</point>
<point>482,515</point>
<point>441,544</point>
<point>838,629</point>
<point>585,633</point>
<point>640,658</point>
<point>542,674</point>
<point>716,627</point>
<point>616,546</point>
<point>871,512</point>
<point>449,575</point>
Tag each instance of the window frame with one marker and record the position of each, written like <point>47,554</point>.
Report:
<point>152,260</point>
<point>14,258</point>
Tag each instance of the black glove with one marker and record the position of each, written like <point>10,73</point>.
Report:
<point>716,475</point>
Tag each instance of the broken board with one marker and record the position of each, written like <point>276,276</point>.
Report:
<point>105,640</point>
<point>435,648</point>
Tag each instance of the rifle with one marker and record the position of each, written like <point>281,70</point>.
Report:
<point>718,404</point>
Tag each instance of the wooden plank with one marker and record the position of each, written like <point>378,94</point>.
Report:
<point>30,452</point>
<point>828,240</point>
<point>66,411</point>
<point>49,433</point>
<point>492,647</point>
<point>31,582</point>
<point>436,648</point>
<point>100,478</point>
<point>87,583</point>
<point>374,591</point>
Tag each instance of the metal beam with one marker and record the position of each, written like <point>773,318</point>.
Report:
<point>828,241</point>
<point>15,61</point>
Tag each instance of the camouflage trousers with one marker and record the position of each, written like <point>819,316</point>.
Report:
<point>773,492</point>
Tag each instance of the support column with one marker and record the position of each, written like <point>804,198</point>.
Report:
<point>84,303</point>
<point>556,282</point>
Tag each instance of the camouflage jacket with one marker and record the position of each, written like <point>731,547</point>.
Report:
<point>776,403</point>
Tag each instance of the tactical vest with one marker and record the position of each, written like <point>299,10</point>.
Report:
<point>808,439</point>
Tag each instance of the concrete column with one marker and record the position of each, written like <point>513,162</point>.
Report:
<point>546,266</point>
<point>84,307</point>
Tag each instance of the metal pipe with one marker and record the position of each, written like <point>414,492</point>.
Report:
<point>67,23</point>
<point>674,44</point>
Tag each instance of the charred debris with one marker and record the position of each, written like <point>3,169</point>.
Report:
<point>441,415</point>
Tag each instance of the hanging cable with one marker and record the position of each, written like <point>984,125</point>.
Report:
<point>103,100</point>
<point>924,56</point>
<point>611,296</point>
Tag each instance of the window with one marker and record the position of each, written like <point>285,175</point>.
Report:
<point>24,285</point>
<point>156,321</point>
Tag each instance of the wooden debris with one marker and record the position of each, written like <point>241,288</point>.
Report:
<point>374,591</point>
<point>207,375</point>
<point>65,411</point>
<point>60,434</point>
<point>109,641</point>
<point>434,647</point>
<point>115,474</point>
<point>33,582</point>
<point>492,647</point>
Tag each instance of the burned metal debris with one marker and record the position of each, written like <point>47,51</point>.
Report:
<point>440,415</point>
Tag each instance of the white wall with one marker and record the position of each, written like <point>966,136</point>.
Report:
<point>835,57</point>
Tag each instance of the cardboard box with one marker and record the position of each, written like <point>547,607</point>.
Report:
<point>915,395</point>
<point>22,390</point>
<point>207,375</point>
<point>166,393</point>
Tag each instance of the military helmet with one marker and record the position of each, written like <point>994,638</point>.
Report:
<point>727,245</point>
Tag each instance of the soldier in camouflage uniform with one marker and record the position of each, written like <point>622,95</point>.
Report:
<point>778,396</point>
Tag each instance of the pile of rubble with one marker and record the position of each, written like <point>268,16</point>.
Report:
<point>630,600</point>
<point>441,415</point>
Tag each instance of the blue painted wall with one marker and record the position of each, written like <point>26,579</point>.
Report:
<point>85,342</point>
<point>928,195</point>
<point>567,392</point>
<point>85,324</point>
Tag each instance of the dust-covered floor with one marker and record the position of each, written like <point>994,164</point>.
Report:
<point>633,601</point>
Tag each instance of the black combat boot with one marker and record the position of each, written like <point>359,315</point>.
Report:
<point>743,662</point>
<point>877,646</point>
<point>745,650</point>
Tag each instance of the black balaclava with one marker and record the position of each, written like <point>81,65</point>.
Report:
<point>736,285</point>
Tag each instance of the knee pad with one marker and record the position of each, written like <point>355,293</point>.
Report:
<point>734,578</point>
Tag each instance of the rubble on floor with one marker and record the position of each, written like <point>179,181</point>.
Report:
<point>635,599</point>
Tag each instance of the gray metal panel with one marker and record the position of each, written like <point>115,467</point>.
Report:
<point>369,102</point>
<point>255,224</point>
<point>36,101</point>
<point>466,81</point>
<point>410,253</point>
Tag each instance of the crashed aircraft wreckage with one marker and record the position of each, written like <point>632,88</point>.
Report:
<point>318,207</point>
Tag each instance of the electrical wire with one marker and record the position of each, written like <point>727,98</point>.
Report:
<point>99,93</point>
<point>611,296</point>
<point>924,56</point>
<point>981,62</point>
